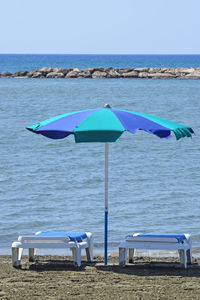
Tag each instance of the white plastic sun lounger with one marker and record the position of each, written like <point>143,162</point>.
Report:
<point>76,241</point>
<point>180,242</point>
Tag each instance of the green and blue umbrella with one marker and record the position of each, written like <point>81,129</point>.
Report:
<point>106,125</point>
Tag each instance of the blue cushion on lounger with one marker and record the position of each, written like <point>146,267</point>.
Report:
<point>180,237</point>
<point>74,236</point>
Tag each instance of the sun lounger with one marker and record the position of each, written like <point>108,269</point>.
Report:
<point>76,241</point>
<point>180,242</point>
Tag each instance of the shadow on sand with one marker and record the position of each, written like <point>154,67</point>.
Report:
<point>141,267</point>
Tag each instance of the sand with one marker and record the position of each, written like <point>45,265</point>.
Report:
<point>55,277</point>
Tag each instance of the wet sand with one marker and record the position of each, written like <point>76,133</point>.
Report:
<point>55,277</point>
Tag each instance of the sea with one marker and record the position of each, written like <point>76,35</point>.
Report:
<point>58,185</point>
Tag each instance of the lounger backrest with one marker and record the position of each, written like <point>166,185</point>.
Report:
<point>165,238</point>
<point>73,236</point>
<point>35,238</point>
<point>55,236</point>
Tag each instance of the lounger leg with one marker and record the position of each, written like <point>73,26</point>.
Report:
<point>189,256</point>
<point>131,255</point>
<point>76,256</point>
<point>78,251</point>
<point>122,256</point>
<point>20,253</point>
<point>183,258</point>
<point>16,256</point>
<point>31,254</point>
<point>89,250</point>
<point>88,254</point>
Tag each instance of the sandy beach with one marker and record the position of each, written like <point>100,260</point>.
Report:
<point>55,277</point>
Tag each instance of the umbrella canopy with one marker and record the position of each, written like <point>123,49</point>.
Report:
<point>106,125</point>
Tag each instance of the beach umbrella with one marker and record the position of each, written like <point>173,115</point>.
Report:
<point>106,125</point>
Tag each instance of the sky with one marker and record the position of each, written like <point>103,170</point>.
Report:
<point>100,26</point>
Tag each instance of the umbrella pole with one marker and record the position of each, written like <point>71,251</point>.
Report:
<point>106,206</point>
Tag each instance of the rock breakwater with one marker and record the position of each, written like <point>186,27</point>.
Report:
<point>48,72</point>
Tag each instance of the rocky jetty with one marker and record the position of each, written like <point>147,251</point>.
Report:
<point>48,72</point>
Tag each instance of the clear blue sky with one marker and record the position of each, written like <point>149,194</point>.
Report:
<point>100,26</point>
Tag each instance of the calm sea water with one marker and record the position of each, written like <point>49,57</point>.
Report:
<point>13,62</point>
<point>58,185</point>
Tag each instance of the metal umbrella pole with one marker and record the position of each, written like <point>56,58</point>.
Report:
<point>106,206</point>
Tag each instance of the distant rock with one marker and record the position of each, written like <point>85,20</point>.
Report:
<point>141,69</point>
<point>132,74</point>
<point>195,75</point>
<point>55,75</point>
<point>84,74</point>
<point>99,74</point>
<point>48,72</point>
<point>20,74</point>
<point>112,73</point>
<point>143,75</point>
<point>154,70</point>
<point>30,73</point>
<point>45,70</point>
<point>179,70</point>
<point>188,71</point>
<point>65,71</point>
<point>57,70</point>
<point>167,70</point>
<point>38,74</point>
<point>161,75</point>
<point>74,73</point>
<point>100,69</point>
<point>6,74</point>
<point>124,70</point>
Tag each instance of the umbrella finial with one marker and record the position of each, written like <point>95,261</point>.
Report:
<point>107,106</point>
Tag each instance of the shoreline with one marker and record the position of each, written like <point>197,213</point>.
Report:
<point>112,252</point>
<point>55,277</point>
<point>145,72</point>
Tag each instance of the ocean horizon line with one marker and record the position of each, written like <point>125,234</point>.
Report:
<point>106,54</point>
